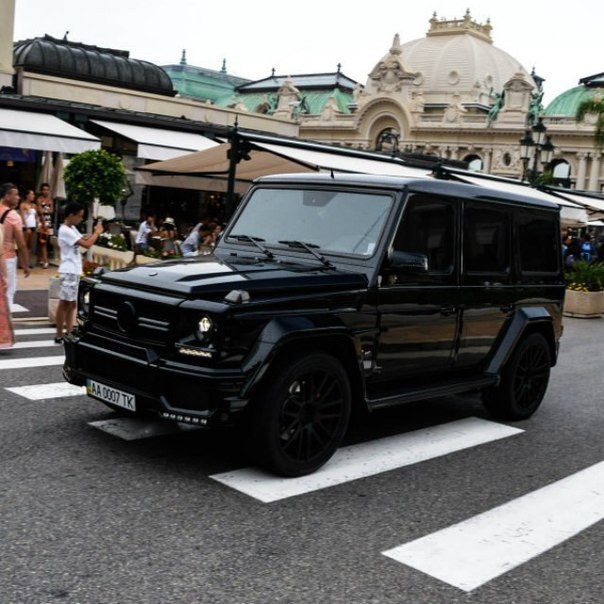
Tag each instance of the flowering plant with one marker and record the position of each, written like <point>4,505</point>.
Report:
<point>114,242</point>
<point>89,267</point>
<point>585,277</point>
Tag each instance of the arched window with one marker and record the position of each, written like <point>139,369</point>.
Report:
<point>474,163</point>
<point>561,173</point>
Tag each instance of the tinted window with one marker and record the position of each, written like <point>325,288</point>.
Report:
<point>334,221</point>
<point>486,241</point>
<point>428,228</point>
<point>538,242</point>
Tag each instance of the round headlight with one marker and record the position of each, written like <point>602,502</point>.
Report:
<point>205,325</point>
<point>84,300</point>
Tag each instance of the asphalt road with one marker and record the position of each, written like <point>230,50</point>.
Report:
<point>88,517</point>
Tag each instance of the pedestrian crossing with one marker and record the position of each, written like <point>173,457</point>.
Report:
<point>465,555</point>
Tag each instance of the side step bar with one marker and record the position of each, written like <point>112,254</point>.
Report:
<point>443,389</point>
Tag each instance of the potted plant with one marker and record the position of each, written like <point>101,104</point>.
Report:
<point>584,290</point>
<point>95,174</point>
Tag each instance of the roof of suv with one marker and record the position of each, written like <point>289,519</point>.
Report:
<point>424,185</point>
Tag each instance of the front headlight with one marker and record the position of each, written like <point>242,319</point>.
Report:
<point>205,329</point>
<point>83,301</point>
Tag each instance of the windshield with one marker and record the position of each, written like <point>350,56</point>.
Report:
<point>334,221</point>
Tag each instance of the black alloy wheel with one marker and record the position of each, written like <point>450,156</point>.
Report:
<point>523,382</point>
<point>302,415</point>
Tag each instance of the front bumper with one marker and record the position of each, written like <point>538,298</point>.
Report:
<point>177,391</point>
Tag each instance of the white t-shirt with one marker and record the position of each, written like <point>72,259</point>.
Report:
<point>143,232</point>
<point>71,258</point>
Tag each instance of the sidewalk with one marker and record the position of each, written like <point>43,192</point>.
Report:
<point>31,299</point>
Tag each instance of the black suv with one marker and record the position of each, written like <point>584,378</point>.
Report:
<point>326,293</point>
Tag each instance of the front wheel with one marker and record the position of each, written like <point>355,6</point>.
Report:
<point>301,415</point>
<point>523,382</point>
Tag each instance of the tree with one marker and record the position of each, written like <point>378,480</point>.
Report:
<point>95,174</point>
<point>594,105</point>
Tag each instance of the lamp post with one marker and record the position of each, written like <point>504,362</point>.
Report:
<point>536,145</point>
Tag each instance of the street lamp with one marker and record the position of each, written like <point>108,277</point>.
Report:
<point>537,145</point>
<point>390,138</point>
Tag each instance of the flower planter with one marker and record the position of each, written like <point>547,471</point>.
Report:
<point>584,305</point>
<point>113,259</point>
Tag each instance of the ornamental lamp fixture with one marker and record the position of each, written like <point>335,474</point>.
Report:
<point>536,152</point>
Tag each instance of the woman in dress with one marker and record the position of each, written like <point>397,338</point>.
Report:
<point>45,206</point>
<point>29,216</point>
<point>7,336</point>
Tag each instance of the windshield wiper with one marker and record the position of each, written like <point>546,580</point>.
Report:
<point>309,248</point>
<point>256,241</point>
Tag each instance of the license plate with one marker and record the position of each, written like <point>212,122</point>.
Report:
<point>116,397</point>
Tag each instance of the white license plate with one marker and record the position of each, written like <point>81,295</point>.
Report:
<point>116,397</point>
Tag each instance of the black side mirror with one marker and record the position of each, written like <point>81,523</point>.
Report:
<point>408,262</point>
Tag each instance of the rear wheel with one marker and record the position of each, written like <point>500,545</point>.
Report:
<point>523,382</point>
<point>301,415</point>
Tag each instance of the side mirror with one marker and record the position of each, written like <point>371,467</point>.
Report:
<point>409,262</point>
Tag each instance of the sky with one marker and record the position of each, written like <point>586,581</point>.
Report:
<point>562,41</point>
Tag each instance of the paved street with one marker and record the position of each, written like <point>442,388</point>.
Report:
<point>451,507</point>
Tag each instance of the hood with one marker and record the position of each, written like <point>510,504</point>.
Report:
<point>213,277</point>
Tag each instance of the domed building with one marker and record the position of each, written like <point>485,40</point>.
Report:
<point>452,94</point>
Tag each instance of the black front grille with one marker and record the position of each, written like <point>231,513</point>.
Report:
<point>136,316</point>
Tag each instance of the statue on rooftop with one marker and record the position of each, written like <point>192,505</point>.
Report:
<point>495,108</point>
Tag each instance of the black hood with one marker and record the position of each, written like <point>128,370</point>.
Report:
<point>213,277</point>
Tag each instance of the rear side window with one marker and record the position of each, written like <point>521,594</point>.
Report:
<point>428,228</point>
<point>486,241</point>
<point>538,242</point>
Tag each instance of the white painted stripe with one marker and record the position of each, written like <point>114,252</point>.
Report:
<point>18,308</point>
<point>44,391</point>
<point>35,331</point>
<point>367,459</point>
<point>473,552</point>
<point>37,344</point>
<point>28,363</point>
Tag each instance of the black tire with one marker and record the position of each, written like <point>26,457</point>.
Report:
<point>523,382</point>
<point>301,415</point>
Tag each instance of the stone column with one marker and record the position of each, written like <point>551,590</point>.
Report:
<point>594,173</point>
<point>7,25</point>
<point>581,170</point>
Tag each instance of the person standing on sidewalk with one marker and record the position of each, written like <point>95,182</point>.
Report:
<point>70,269</point>
<point>13,237</point>
<point>7,335</point>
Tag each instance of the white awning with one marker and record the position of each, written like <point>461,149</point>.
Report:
<point>158,143</point>
<point>516,188</point>
<point>571,214</point>
<point>324,160</point>
<point>267,158</point>
<point>42,132</point>
<point>593,204</point>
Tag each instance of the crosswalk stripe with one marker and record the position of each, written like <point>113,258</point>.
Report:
<point>370,458</point>
<point>18,308</point>
<point>44,391</point>
<point>28,363</point>
<point>35,331</point>
<point>36,344</point>
<point>477,550</point>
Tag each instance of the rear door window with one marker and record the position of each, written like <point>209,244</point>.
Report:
<point>486,242</point>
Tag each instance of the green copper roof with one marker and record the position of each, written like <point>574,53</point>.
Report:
<point>568,102</point>
<point>314,105</point>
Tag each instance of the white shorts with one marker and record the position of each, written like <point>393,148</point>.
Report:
<point>69,286</point>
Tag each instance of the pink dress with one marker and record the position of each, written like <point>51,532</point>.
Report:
<point>7,336</point>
